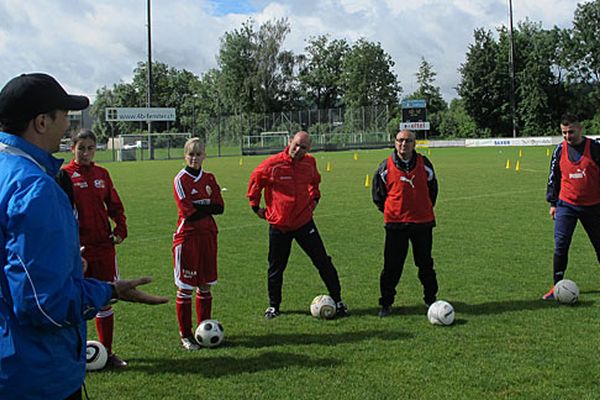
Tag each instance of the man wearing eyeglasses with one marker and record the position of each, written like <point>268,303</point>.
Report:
<point>573,192</point>
<point>405,189</point>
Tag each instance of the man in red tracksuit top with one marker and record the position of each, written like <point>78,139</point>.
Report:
<point>97,201</point>
<point>573,193</point>
<point>405,190</point>
<point>291,183</point>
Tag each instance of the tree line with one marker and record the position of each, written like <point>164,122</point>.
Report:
<point>557,70</point>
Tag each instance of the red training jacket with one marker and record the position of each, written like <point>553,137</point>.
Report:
<point>188,190</point>
<point>96,200</point>
<point>291,189</point>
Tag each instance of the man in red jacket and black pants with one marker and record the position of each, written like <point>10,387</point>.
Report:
<point>405,189</point>
<point>291,183</point>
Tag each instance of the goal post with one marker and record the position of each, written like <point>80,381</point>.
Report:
<point>265,142</point>
<point>165,145</point>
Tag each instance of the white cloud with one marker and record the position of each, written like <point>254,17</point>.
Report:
<point>89,44</point>
<point>357,6</point>
<point>273,10</point>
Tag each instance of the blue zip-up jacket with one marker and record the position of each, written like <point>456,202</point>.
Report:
<point>44,299</point>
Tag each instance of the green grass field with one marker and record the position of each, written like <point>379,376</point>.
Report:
<point>493,252</point>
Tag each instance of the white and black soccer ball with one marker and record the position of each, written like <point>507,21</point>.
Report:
<point>441,313</point>
<point>323,306</point>
<point>95,355</point>
<point>209,333</point>
<point>566,291</point>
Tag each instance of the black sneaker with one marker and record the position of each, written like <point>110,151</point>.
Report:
<point>385,311</point>
<point>115,361</point>
<point>341,309</point>
<point>428,302</point>
<point>271,312</point>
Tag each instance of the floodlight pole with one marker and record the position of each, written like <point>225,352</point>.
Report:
<point>149,74</point>
<point>194,97</point>
<point>511,59</point>
<point>149,84</point>
<point>194,118</point>
<point>219,126</point>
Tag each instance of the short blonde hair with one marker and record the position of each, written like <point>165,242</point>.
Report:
<point>193,145</point>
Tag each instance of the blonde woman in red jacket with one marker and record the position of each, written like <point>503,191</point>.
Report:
<point>198,197</point>
<point>96,204</point>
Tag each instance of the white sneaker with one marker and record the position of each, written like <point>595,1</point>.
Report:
<point>189,343</point>
<point>271,312</point>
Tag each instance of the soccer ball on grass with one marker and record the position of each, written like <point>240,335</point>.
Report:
<point>566,292</point>
<point>323,306</point>
<point>209,333</point>
<point>95,356</point>
<point>441,313</point>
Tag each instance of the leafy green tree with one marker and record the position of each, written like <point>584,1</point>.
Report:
<point>430,93</point>
<point>120,95</point>
<point>592,126</point>
<point>583,56</point>
<point>555,43</point>
<point>427,90</point>
<point>236,67</point>
<point>393,125</point>
<point>540,92</point>
<point>455,122</point>
<point>585,46</point>
<point>171,88</point>
<point>534,77</point>
<point>321,70</point>
<point>256,74</point>
<point>275,67</point>
<point>484,86</point>
<point>368,78</point>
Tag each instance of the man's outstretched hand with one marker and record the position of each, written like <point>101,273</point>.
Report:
<point>127,291</point>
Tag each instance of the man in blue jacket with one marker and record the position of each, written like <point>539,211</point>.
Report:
<point>44,299</point>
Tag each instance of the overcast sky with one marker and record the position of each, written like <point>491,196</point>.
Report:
<point>87,44</point>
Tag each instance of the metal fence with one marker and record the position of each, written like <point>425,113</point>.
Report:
<point>247,133</point>
<point>332,129</point>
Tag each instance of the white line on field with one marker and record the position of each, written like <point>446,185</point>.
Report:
<point>260,223</point>
<point>481,196</point>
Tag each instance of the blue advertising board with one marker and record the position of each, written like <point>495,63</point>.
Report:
<point>414,104</point>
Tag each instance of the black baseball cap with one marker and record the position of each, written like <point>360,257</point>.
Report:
<point>28,95</point>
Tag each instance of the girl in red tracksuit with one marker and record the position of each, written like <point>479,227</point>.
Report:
<point>198,198</point>
<point>96,203</point>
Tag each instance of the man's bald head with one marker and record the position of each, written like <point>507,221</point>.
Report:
<point>299,145</point>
